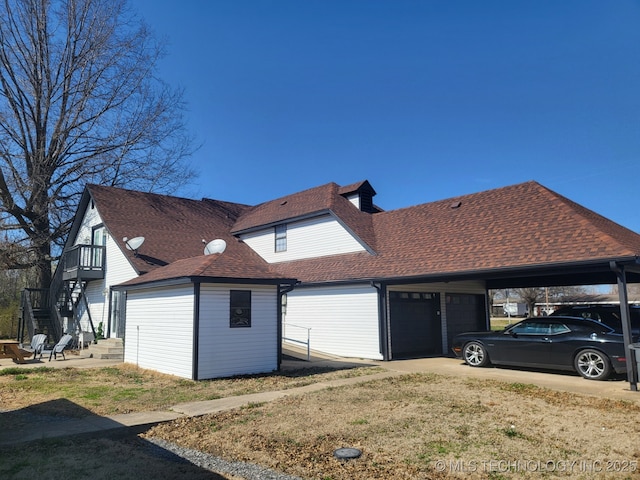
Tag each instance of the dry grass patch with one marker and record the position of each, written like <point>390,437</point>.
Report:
<point>126,388</point>
<point>423,426</point>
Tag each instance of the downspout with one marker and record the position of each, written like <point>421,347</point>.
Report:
<point>632,370</point>
<point>196,330</point>
<point>283,289</point>
<point>487,310</point>
<point>382,319</point>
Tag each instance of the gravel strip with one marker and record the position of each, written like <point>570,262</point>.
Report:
<point>248,471</point>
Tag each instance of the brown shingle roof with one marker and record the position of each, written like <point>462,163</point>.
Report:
<point>325,198</point>
<point>227,265</point>
<point>173,227</point>
<point>354,187</point>
<point>517,226</point>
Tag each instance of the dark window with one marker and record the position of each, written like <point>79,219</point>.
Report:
<point>531,328</point>
<point>240,308</point>
<point>411,296</point>
<point>281,238</point>
<point>557,328</point>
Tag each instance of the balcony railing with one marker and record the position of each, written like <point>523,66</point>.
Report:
<point>83,261</point>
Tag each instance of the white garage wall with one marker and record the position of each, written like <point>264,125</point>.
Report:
<point>343,320</point>
<point>159,329</point>
<point>225,351</point>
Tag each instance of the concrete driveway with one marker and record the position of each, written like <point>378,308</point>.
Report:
<point>617,389</point>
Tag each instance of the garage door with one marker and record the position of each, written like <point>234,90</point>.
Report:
<point>416,330</point>
<point>465,313</point>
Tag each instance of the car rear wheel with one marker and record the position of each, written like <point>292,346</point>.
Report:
<point>592,364</point>
<point>475,355</point>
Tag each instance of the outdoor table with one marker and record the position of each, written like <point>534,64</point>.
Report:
<point>11,349</point>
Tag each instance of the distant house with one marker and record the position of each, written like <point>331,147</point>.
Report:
<point>325,262</point>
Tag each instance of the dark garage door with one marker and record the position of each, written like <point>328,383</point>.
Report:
<point>415,324</point>
<point>465,313</point>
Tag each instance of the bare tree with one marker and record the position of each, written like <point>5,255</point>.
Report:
<point>530,296</point>
<point>632,289</point>
<point>79,103</point>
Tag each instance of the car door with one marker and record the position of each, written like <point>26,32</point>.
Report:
<point>561,346</point>
<point>526,343</point>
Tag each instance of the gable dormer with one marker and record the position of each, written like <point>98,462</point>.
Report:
<point>313,223</point>
<point>361,195</point>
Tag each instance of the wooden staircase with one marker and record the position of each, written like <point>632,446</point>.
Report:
<point>105,349</point>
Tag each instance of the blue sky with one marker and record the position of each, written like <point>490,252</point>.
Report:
<point>425,99</point>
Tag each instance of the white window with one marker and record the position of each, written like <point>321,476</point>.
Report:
<point>281,238</point>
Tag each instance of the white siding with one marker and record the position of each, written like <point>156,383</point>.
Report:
<point>90,219</point>
<point>316,237</point>
<point>159,329</point>
<point>98,301</point>
<point>343,320</point>
<point>355,199</point>
<point>225,351</point>
<point>117,270</point>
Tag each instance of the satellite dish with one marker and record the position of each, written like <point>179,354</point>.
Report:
<point>133,244</point>
<point>215,246</point>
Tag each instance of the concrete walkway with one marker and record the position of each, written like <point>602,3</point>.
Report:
<point>615,389</point>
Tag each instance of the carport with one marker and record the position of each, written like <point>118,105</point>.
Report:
<point>618,271</point>
<point>615,271</point>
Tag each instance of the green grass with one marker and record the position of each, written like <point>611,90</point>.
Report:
<point>24,371</point>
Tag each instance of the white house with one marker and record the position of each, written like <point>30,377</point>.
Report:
<point>325,262</point>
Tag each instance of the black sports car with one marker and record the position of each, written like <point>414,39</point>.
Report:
<point>591,348</point>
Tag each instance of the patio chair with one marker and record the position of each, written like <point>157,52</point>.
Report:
<point>60,346</point>
<point>35,347</point>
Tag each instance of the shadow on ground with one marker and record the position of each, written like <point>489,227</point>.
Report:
<point>52,440</point>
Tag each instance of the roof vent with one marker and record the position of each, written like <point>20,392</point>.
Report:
<point>283,203</point>
<point>456,204</point>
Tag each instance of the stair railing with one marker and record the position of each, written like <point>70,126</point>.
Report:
<point>55,290</point>
<point>82,297</point>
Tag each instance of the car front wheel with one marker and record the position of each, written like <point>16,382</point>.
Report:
<point>592,365</point>
<point>475,355</point>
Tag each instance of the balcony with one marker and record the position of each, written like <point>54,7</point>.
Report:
<point>83,262</point>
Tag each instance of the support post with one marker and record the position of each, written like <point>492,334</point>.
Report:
<point>632,368</point>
